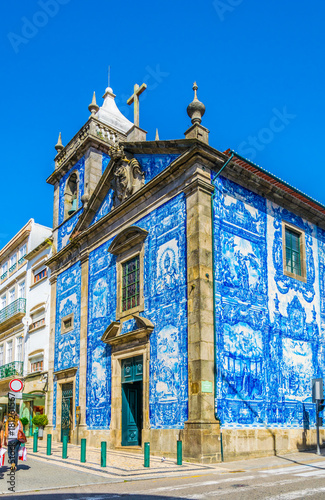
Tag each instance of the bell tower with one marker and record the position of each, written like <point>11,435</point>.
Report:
<point>80,163</point>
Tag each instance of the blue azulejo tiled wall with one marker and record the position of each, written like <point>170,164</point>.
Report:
<point>66,229</point>
<point>105,207</point>
<point>105,161</point>
<point>165,294</point>
<point>267,324</point>
<point>101,312</point>
<point>68,291</point>
<point>152,165</point>
<point>165,303</point>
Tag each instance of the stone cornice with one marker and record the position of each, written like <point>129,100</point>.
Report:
<point>199,184</point>
<point>66,372</point>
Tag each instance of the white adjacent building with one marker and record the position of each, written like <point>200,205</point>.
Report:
<point>24,317</point>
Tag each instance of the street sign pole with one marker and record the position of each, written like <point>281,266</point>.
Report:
<point>317,429</point>
<point>318,399</point>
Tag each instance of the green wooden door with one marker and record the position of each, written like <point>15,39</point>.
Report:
<point>132,401</point>
<point>66,410</point>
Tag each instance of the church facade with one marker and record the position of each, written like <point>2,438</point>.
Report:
<point>187,295</point>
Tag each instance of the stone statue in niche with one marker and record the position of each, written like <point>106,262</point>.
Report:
<point>128,179</point>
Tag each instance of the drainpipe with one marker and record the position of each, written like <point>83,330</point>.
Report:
<point>214,312</point>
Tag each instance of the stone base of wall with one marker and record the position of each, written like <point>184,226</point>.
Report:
<point>239,444</point>
<point>202,443</point>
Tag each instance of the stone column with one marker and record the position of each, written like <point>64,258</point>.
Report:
<point>201,435</point>
<point>83,342</point>
<point>49,428</point>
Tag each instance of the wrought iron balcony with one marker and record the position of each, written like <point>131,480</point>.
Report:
<point>16,307</point>
<point>4,275</point>
<point>12,369</point>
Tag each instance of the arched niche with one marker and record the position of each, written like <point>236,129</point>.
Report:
<point>71,193</point>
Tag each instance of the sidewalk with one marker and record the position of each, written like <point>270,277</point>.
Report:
<point>119,464</point>
<point>124,465</point>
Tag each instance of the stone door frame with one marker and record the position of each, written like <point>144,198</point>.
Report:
<point>116,401</point>
<point>65,377</point>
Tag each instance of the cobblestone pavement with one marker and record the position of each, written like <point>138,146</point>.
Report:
<point>118,463</point>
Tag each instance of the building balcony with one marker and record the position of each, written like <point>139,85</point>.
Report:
<point>21,260</point>
<point>13,369</point>
<point>12,268</point>
<point>12,313</point>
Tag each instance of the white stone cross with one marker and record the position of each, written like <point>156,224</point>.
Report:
<point>135,98</point>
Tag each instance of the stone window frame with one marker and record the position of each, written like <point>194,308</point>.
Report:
<point>302,248</point>
<point>137,251</point>
<point>65,329</point>
<point>127,245</point>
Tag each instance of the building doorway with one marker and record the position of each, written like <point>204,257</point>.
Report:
<point>132,373</point>
<point>66,410</point>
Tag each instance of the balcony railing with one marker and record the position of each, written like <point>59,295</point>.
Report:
<point>12,369</point>
<point>13,267</point>
<point>18,306</point>
<point>4,275</point>
<point>21,260</point>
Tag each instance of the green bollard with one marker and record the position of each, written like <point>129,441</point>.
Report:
<point>65,446</point>
<point>103,449</point>
<point>83,451</point>
<point>35,442</point>
<point>147,454</point>
<point>179,453</point>
<point>49,444</point>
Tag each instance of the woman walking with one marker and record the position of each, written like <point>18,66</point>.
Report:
<point>12,428</point>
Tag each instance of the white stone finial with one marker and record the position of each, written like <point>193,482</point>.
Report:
<point>59,146</point>
<point>93,107</point>
<point>157,135</point>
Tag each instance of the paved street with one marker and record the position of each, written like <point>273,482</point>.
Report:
<point>295,476</point>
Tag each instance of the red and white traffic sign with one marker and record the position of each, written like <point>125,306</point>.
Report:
<point>16,385</point>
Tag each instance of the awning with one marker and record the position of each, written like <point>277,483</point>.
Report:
<point>26,397</point>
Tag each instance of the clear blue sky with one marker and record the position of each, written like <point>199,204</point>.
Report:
<point>253,61</point>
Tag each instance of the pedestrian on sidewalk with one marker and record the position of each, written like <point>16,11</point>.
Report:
<point>1,433</point>
<point>12,428</point>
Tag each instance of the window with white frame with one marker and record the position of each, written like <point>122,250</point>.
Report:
<point>3,301</point>
<point>19,348</point>
<point>13,260</point>
<point>4,268</point>
<point>12,295</point>
<point>1,355</point>
<point>9,352</point>
<point>22,251</point>
<point>21,290</point>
